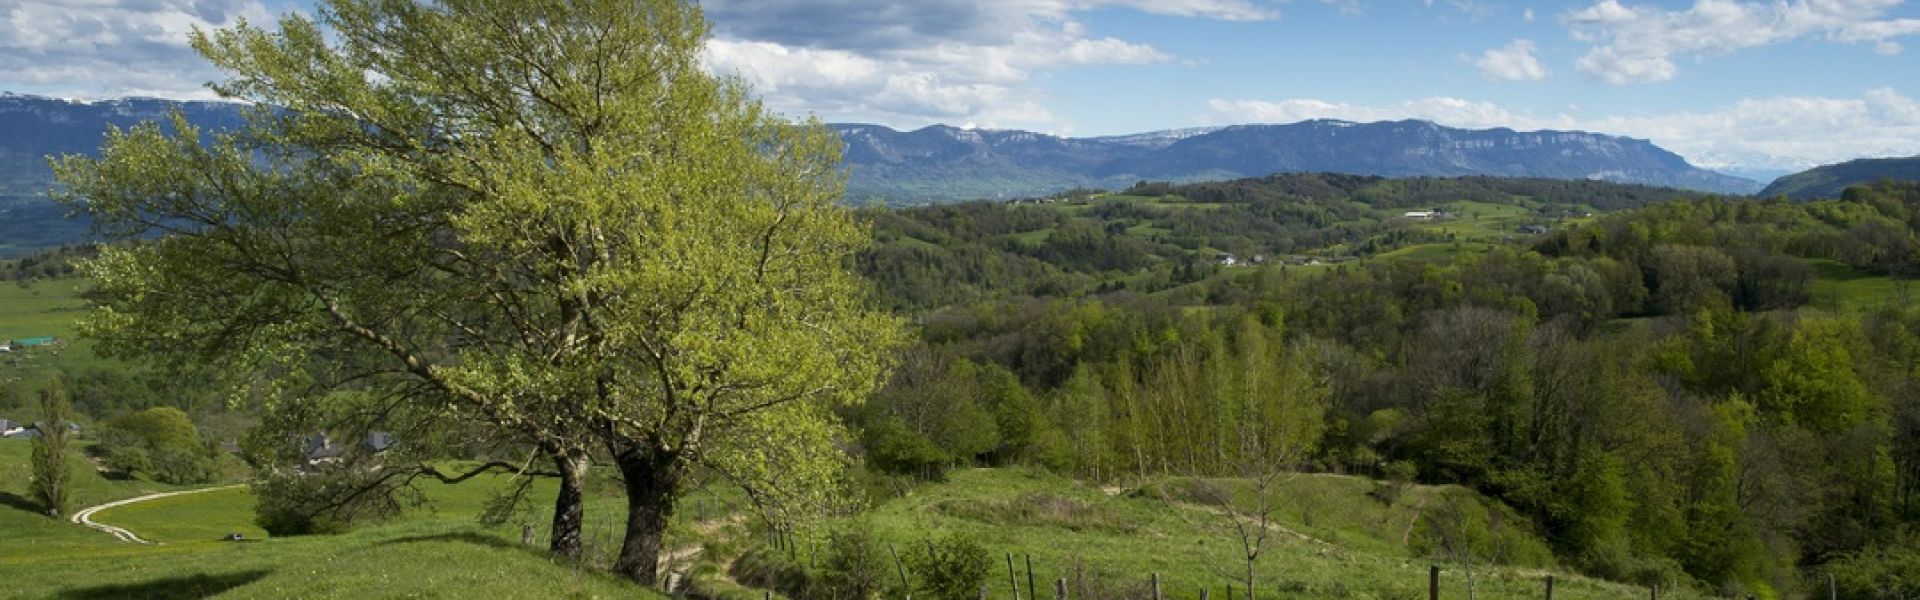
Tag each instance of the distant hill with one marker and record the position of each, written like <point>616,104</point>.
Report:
<point>946,163</point>
<point>942,163</point>
<point>33,128</point>
<point>1830,180</point>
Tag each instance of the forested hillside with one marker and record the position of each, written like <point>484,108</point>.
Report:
<point>1689,391</point>
<point>1830,180</point>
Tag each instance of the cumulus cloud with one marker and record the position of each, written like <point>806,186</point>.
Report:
<point>1512,62</point>
<point>1784,133</point>
<point>97,48</point>
<point>1638,44</point>
<point>933,60</point>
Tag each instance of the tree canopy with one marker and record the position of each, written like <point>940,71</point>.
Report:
<point>542,216</point>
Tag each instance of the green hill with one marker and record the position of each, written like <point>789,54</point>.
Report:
<point>1830,180</point>
<point>434,553</point>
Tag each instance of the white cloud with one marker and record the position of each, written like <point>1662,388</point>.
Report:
<point>1785,133</point>
<point>1527,15</point>
<point>1512,62</point>
<point>1638,44</point>
<point>938,60</point>
<point>98,48</point>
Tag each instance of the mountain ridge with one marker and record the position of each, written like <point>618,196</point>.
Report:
<point>933,163</point>
<point>1828,181</point>
<point>940,163</point>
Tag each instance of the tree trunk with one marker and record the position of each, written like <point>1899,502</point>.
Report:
<point>568,506</point>
<point>653,484</point>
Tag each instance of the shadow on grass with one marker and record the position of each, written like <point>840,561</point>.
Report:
<point>174,588</point>
<point>463,537</point>
<point>16,501</point>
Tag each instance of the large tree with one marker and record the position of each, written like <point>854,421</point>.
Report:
<point>542,214</point>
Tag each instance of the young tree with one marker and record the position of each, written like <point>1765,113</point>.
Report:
<point>50,472</point>
<point>545,215</point>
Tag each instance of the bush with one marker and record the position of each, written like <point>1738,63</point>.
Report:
<point>1879,572</point>
<point>953,568</point>
<point>857,565</point>
<point>327,501</point>
<point>160,442</point>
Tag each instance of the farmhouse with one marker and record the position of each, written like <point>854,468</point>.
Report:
<point>321,448</point>
<point>8,426</point>
<point>1227,260</point>
<point>1534,230</point>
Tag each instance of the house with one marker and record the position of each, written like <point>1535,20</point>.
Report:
<point>1419,215</point>
<point>321,448</point>
<point>6,346</point>
<point>1227,260</point>
<point>8,426</point>
<point>1534,230</point>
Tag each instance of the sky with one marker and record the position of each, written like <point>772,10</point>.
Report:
<point>1742,86</point>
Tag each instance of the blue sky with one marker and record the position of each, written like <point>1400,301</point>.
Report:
<point>1744,86</point>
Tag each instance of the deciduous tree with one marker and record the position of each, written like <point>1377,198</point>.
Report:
<point>544,214</point>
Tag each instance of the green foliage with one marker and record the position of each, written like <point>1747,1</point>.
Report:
<point>1876,573</point>
<point>953,567</point>
<point>857,566</point>
<point>52,477</point>
<point>325,501</point>
<point>161,442</point>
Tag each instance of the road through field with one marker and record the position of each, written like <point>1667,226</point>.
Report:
<point>85,516</point>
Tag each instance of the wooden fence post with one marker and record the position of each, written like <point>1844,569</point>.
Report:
<point>1060,589</point>
<point>1033,591</point>
<point>905,588</point>
<point>1433,582</point>
<point>983,592</point>
<point>1203,593</point>
<point>1156,586</point>
<point>1833,589</point>
<point>1013,577</point>
<point>1549,587</point>
<point>1654,592</point>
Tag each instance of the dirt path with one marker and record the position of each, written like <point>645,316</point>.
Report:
<point>85,516</point>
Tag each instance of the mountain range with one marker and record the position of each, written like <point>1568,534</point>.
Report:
<point>1829,181</point>
<point>946,163</point>
<point>942,163</point>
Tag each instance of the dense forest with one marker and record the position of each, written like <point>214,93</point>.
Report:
<point>1651,386</point>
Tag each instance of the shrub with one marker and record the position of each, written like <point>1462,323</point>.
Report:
<point>952,568</point>
<point>857,564</point>
<point>327,501</point>
<point>161,442</point>
<point>1878,572</point>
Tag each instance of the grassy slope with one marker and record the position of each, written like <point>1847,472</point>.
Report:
<point>43,308</point>
<point>1840,287</point>
<point>437,551</point>
<point>1336,542</point>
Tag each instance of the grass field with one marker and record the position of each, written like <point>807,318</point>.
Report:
<point>1841,288</point>
<point>438,551</point>
<point>39,309</point>
<point>1332,540</point>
